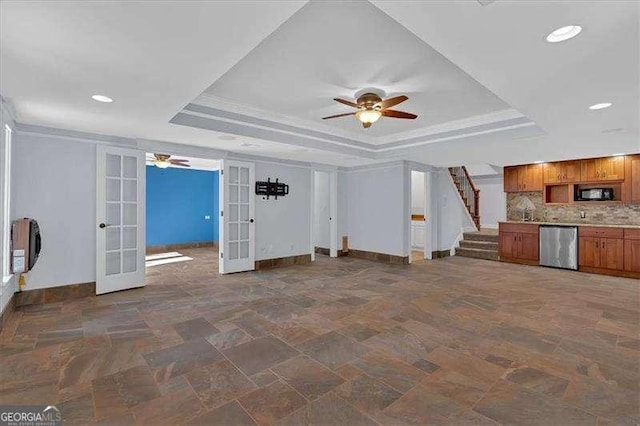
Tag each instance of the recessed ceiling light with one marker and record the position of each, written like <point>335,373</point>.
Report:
<point>619,154</point>
<point>602,105</point>
<point>564,33</point>
<point>226,137</point>
<point>101,98</point>
<point>538,162</point>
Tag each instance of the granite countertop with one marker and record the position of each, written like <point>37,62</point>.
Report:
<point>600,225</point>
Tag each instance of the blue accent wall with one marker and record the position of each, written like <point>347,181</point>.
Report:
<point>177,202</point>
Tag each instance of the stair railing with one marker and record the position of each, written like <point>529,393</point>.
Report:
<point>468,192</point>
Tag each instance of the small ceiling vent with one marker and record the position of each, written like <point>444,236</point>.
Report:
<point>486,2</point>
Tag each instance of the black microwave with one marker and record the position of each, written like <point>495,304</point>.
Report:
<point>594,194</point>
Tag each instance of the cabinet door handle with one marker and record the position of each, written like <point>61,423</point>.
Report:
<point>596,244</point>
<point>602,245</point>
<point>559,177</point>
<point>597,173</point>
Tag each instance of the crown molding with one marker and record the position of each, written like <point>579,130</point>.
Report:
<point>251,122</point>
<point>218,102</point>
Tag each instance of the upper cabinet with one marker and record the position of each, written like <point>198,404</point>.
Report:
<point>602,169</point>
<point>523,178</point>
<point>562,171</point>
<point>632,181</point>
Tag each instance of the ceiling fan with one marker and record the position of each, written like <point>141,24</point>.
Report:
<point>370,107</point>
<point>164,160</point>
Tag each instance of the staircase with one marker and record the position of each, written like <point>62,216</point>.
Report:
<point>479,245</point>
<point>468,192</point>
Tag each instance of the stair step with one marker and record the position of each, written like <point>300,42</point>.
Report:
<point>483,245</point>
<point>477,253</point>
<point>480,236</point>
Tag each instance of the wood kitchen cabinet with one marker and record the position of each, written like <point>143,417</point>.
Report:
<point>601,248</point>
<point>519,243</point>
<point>602,169</point>
<point>632,250</point>
<point>632,179</point>
<point>511,179</point>
<point>561,172</point>
<point>523,178</point>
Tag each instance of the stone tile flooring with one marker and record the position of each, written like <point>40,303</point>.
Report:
<point>341,341</point>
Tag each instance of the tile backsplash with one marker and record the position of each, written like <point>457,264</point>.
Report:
<point>621,214</point>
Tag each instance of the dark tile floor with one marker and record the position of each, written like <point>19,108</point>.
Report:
<point>340,341</point>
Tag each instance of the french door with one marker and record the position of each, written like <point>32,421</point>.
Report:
<point>237,228</point>
<point>120,219</point>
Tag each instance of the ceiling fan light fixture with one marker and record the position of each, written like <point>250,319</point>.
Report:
<point>368,116</point>
<point>162,164</point>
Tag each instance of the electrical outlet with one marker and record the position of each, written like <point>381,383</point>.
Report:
<point>583,214</point>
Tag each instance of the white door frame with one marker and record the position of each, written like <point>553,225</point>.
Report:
<point>227,264</point>
<point>122,280</point>
<point>427,210</point>
<point>333,211</point>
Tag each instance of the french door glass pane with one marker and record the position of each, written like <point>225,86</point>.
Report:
<point>129,190</point>
<point>129,237</point>
<point>233,175</point>
<point>130,167</point>
<point>129,260</point>
<point>113,165</point>
<point>113,238</point>
<point>244,250</point>
<point>113,214</point>
<point>130,214</point>
<point>112,263</point>
<point>113,189</point>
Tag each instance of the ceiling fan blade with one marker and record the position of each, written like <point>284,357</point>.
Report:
<point>178,160</point>
<point>342,101</point>
<point>398,114</point>
<point>339,115</point>
<point>179,164</point>
<point>388,103</point>
<point>161,157</point>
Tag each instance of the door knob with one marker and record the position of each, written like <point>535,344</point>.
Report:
<point>250,220</point>
<point>102,225</point>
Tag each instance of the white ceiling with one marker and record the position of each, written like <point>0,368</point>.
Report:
<point>155,57</point>
<point>335,49</point>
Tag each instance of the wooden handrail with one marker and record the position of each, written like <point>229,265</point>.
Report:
<point>466,174</point>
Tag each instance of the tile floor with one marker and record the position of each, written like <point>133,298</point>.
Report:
<point>341,341</point>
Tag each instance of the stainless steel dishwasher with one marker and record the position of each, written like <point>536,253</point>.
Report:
<point>559,246</point>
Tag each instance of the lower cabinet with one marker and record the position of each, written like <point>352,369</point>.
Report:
<point>606,253</point>
<point>632,250</point>
<point>519,243</point>
<point>417,233</point>
<point>612,251</point>
<point>601,250</point>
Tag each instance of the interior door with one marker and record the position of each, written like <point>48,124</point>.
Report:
<point>237,228</point>
<point>120,219</point>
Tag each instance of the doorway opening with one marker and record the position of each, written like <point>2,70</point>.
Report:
<point>321,214</point>
<point>182,217</point>
<point>418,239</point>
<point>324,212</point>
